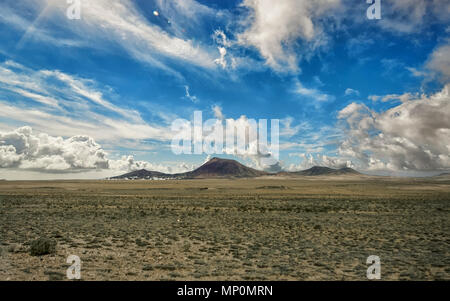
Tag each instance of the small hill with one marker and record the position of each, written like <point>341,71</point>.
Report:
<point>347,171</point>
<point>217,167</point>
<point>325,171</point>
<point>316,171</point>
<point>225,168</point>
<point>445,175</point>
<point>143,174</point>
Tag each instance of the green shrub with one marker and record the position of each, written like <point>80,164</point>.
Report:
<point>141,243</point>
<point>42,246</point>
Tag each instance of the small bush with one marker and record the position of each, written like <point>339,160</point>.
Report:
<point>141,243</point>
<point>186,247</point>
<point>42,246</point>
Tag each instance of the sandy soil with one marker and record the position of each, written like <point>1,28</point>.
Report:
<point>250,229</point>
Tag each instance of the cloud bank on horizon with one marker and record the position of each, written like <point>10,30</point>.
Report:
<point>97,96</point>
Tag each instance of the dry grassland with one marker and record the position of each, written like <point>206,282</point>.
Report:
<point>310,228</point>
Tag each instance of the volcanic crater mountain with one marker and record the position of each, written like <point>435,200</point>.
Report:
<point>225,168</point>
<point>217,167</point>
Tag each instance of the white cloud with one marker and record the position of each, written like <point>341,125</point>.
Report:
<point>221,61</point>
<point>227,60</point>
<point>351,92</point>
<point>122,22</point>
<point>221,38</point>
<point>439,63</point>
<point>187,13</point>
<point>414,135</point>
<point>22,149</point>
<point>273,28</point>
<point>119,23</point>
<point>61,104</point>
<point>415,72</point>
<point>310,160</point>
<point>386,98</point>
<point>288,130</point>
<point>410,16</point>
<point>8,156</point>
<point>189,96</point>
<point>128,163</point>
<point>404,16</point>
<point>313,93</point>
<point>217,110</point>
<point>46,100</point>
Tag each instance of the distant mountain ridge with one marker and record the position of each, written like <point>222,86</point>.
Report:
<point>319,171</point>
<point>445,174</point>
<point>226,168</point>
<point>214,168</point>
<point>143,174</point>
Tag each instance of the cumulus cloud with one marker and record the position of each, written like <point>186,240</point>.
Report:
<point>311,160</point>
<point>439,63</point>
<point>21,149</point>
<point>129,163</point>
<point>24,150</point>
<point>8,156</point>
<point>243,137</point>
<point>273,29</point>
<point>413,136</point>
<point>263,162</point>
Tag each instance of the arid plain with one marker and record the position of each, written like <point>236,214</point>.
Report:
<point>270,228</point>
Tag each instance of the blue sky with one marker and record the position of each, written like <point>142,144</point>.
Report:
<point>96,96</point>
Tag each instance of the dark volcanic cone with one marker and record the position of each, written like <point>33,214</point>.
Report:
<point>217,167</point>
<point>142,174</point>
<point>325,171</point>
